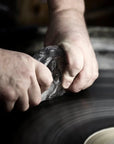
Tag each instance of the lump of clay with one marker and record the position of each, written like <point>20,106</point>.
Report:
<point>54,58</point>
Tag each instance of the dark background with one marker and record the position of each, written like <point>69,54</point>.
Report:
<point>20,20</point>
<point>34,12</point>
<point>99,12</point>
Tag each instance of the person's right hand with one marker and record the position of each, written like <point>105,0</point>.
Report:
<point>22,80</point>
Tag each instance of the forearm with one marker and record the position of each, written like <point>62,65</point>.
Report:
<point>60,5</point>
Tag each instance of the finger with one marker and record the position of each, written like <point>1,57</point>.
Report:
<point>8,94</point>
<point>74,65</point>
<point>44,77</point>
<point>34,93</point>
<point>23,102</point>
<point>67,79</point>
<point>92,80</point>
<point>81,81</point>
<point>92,73</point>
<point>88,84</point>
<point>9,105</point>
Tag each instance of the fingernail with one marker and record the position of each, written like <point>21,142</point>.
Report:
<point>66,84</point>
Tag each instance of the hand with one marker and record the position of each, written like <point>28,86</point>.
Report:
<point>22,80</point>
<point>67,29</point>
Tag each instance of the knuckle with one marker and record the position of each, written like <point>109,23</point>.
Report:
<point>76,65</point>
<point>26,58</point>
<point>47,83</point>
<point>28,73</point>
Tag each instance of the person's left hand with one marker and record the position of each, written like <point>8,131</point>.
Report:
<point>67,28</point>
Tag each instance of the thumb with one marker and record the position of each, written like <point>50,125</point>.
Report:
<point>74,60</point>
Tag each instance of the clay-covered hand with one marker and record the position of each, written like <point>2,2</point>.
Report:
<point>22,80</point>
<point>67,29</point>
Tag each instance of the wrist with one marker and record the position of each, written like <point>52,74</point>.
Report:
<point>61,5</point>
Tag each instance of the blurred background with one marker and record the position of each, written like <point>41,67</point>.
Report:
<point>23,24</point>
<point>35,12</point>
